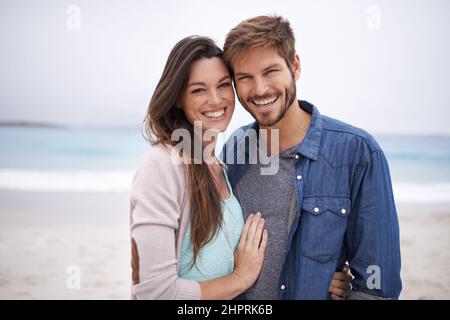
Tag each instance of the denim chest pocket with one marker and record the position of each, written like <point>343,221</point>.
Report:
<point>322,227</point>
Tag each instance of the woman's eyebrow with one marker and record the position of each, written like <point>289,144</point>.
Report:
<point>196,84</point>
<point>224,78</point>
<point>199,83</point>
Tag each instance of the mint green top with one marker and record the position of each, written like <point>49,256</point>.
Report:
<point>216,259</point>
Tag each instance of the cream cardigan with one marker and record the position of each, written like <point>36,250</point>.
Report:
<point>159,216</point>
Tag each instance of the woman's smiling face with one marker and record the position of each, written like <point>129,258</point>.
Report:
<point>209,96</point>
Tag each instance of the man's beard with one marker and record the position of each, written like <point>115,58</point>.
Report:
<point>264,120</point>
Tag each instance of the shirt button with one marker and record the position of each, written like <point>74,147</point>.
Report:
<point>343,211</point>
<point>283,287</point>
<point>316,210</point>
<point>297,156</point>
<point>299,177</point>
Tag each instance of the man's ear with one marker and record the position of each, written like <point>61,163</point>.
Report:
<point>296,67</point>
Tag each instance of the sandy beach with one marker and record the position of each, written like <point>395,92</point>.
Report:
<point>45,236</point>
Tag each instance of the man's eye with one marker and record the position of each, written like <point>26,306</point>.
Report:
<point>243,78</point>
<point>272,71</point>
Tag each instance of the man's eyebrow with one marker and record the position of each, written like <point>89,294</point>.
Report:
<point>273,65</point>
<point>238,74</point>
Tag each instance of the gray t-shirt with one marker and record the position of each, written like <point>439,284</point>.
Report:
<point>273,196</point>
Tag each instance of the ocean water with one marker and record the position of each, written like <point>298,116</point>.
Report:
<point>104,160</point>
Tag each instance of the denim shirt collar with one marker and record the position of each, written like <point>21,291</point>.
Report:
<point>310,145</point>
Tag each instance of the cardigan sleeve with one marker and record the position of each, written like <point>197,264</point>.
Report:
<point>157,195</point>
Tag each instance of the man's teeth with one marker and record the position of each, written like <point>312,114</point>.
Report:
<point>262,102</point>
<point>215,114</point>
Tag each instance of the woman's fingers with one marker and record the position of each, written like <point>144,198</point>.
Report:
<point>258,233</point>
<point>263,245</point>
<point>252,229</point>
<point>337,291</point>
<point>252,233</point>
<point>346,269</point>
<point>336,297</point>
<point>338,287</point>
<point>244,232</point>
<point>338,275</point>
<point>342,276</point>
<point>338,284</point>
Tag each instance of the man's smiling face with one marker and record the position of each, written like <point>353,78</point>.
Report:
<point>265,84</point>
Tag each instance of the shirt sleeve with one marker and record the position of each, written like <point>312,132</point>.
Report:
<point>157,195</point>
<point>372,239</point>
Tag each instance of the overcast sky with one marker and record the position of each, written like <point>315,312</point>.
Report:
<point>380,65</point>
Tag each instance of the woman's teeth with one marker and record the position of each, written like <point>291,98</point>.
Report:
<point>264,101</point>
<point>215,114</point>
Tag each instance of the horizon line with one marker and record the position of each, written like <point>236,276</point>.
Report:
<point>58,125</point>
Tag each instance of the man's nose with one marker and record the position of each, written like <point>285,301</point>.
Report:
<point>260,87</point>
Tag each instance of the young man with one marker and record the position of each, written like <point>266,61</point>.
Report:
<point>330,201</point>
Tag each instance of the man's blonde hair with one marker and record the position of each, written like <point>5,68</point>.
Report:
<point>260,31</point>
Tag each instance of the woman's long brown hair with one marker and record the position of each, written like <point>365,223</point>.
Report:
<point>163,117</point>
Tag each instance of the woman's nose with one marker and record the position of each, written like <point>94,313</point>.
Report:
<point>214,98</point>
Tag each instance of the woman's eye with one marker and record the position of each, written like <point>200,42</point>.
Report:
<point>198,90</point>
<point>225,85</point>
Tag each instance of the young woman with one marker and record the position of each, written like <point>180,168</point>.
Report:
<point>189,240</point>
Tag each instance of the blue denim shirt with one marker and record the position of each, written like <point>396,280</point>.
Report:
<point>345,211</point>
